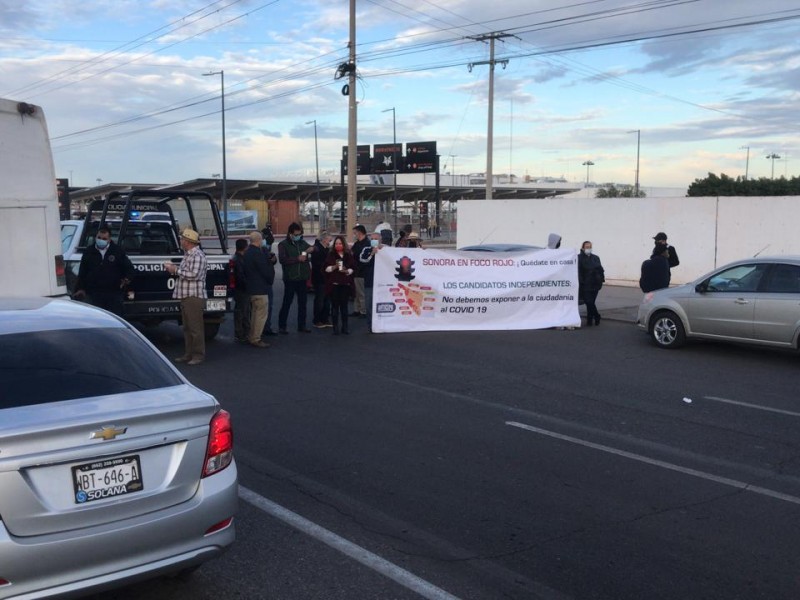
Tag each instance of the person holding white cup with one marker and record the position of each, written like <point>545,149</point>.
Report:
<point>339,282</point>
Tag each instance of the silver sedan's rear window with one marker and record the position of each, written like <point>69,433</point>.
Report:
<point>49,366</point>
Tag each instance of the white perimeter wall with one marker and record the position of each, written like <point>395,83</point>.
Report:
<point>706,232</point>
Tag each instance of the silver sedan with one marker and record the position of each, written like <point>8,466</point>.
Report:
<point>113,467</point>
<point>754,301</point>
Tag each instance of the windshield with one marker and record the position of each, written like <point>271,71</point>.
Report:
<point>50,366</point>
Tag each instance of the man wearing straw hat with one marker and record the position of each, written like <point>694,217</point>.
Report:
<point>190,289</point>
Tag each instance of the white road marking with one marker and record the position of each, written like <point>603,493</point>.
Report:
<point>660,463</point>
<point>756,406</point>
<point>365,557</point>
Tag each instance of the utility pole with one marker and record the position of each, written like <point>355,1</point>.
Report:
<point>221,74</point>
<point>773,156</point>
<point>747,161</point>
<point>638,133</point>
<point>490,130</point>
<point>352,127</point>
<point>587,164</point>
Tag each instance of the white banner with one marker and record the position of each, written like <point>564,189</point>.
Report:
<point>447,290</point>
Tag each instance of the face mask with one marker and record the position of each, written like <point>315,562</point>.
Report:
<point>297,238</point>
<point>587,251</point>
<point>374,243</point>
<point>101,244</point>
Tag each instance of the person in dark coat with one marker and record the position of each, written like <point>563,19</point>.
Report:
<point>591,277</point>
<point>293,254</point>
<point>104,273</point>
<point>339,285</point>
<point>259,275</point>
<point>362,241</point>
<point>241,309</point>
<point>322,303</point>
<point>661,240</point>
<point>655,270</point>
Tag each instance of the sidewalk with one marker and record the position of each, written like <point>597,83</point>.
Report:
<point>618,303</point>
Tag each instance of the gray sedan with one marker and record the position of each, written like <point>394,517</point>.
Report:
<point>113,467</point>
<point>754,301</point>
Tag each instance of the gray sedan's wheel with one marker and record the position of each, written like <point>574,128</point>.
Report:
<point>667,330</point>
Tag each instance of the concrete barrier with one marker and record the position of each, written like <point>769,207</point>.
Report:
<point>706,232</point>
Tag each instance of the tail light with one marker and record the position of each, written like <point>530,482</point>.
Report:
<point>61,273</point>
<point>220,444</point>
<point>231,275</point>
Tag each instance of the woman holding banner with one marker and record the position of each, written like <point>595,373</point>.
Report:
<point>591,277</point>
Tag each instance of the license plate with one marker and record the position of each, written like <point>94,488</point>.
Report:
<point>215,305</point>
<point>107,478</point>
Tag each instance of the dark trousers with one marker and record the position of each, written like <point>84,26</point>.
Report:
<point>339,299</point>
<point>322,304</point>
<point>241,315</point>
<point>589,298</point>
<point>110,301</point>
<point>290,288</point>
<point>270,301</point>
<point>368,299</point>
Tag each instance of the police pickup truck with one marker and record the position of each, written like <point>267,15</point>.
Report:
<point>146,224</point>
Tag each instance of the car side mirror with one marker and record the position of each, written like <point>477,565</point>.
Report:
<point>701,288</point>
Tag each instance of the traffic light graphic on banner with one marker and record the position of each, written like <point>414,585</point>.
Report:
<point>405,269</point>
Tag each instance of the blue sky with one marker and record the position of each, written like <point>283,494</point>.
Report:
<point>123,89</point>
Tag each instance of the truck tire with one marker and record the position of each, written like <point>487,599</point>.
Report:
<point>212,329</point>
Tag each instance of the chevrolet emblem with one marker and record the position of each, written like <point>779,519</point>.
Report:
<point>108,433</point>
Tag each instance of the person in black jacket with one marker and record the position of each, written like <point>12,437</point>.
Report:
<point>362,241</point>
<point>322,303</point>
<point>259,275</point>
<point>241,310</point>
<point>104,273</point>
<point>661,240</point>
<point>591,277</point>
<point>655,270</point>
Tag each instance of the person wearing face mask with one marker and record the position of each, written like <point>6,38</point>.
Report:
<point>339,284</point>
<point>104,273</point>
<point>367,261</point>
<point>293,254</point>
<point>591,277</point>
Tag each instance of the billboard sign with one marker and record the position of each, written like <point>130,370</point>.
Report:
<point>420,157</point>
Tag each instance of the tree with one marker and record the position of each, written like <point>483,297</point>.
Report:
<point>612,191</point>
<point>727,186</point>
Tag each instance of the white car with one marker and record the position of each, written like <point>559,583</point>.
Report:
<point>113,467</point>
<point>754,301</point>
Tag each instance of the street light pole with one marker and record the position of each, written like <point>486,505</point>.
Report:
<point>394,162</point>
<point>453,166</point>
<point>316,157</point>
<point>747,161</point>
<point>587,164</point>
<point>773,156</point>
<point>221,74</point>
<point>638,133</point>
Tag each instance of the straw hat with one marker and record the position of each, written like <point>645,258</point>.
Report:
<point>190,235</point>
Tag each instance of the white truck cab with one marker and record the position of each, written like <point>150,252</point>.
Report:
<point>32,263</point>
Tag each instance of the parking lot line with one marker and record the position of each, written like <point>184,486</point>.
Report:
<point>660,463</point>
<point>756,406</point>
<point>362,555</point>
